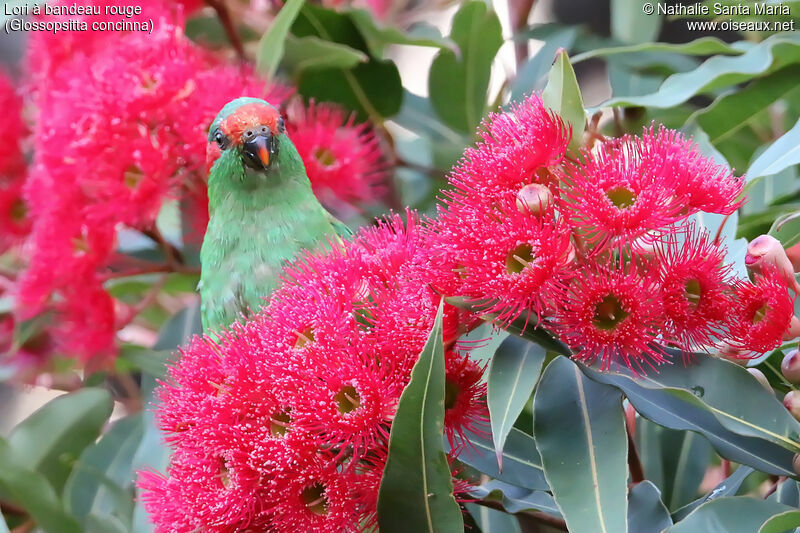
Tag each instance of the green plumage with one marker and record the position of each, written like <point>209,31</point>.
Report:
<point>259,220</point>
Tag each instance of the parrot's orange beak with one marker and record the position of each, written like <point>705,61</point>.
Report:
<point>259,150</point>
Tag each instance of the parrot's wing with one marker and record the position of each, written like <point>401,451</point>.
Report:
<point>341,228</point>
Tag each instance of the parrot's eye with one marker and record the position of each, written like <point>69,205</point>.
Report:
<point>222,141</point>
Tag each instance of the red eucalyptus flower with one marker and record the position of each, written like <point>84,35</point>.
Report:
<point>761,314</point>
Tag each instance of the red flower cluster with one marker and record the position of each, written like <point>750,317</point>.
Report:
<point>600,249</point>
<point>120,128</point>
<point>120,124</point>
<point>343,159</point>
<point>283,424</point>
<point>14,220</point>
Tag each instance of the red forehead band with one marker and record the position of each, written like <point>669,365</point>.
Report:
<point>248,116</point>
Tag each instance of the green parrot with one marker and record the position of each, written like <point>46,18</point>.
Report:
<point>262,212</point>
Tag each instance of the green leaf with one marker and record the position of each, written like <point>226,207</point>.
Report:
<point>787,493</point>
<point>787,229</point>
<point>516,499</point>
<point>579,429</point>
<point>782,522</point>
<point>728,487</point>
<point>310,52</point>
<point>270,48</point>
<point>522,465</point>
<point>150,362</point>
<point>490,520</point>
<point>704,46</point>
<point>378,37</point>
<point>718,399</point>
<point>30,490</point>
<point>54,436</point>
<point>675,461</point>
<point>732,112</point>
<point>563,96</point>
<point>458,85</point>
<point>530,76</point>
<point>718,72</point>
<point>719,386</point>
<point>729,515</point>
<point>646,511</point>
<point>782,153</point>
<point>152,453</point>
<point>180,329</point>
<point>102,481</point>
<point>513,374</point>
<point>372,89</point>
<point>416,491</point>
<point>630,24</point>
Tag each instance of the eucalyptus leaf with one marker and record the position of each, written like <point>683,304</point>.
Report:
<point>53,437</point>
<point>102,481</point>
<point>458,83</point>
<point>732,112</point>
<point>516,499</point>
<point>718,72</point>
<point>31,491</point>
<point>631,25</point>
<point>675,461</point>
<point>531,75</point>
<point>782,153</point>
<point>579,428</point>
<point>704,46</point>
<point>180,329</point>
<point>646,511</point>
<point>490,520</point>
<point>728,487</point>
<point>416,490</point>
<point>372,89</point>
<point>378,36</point>
<point>310,52</point>
<point>563,96</point>
<point>522,465</point>
<point>271,46</point>
<point>151,454</point>
<point>718,386</point>
<point>787,492</point>
<point>513,373</point>
<point>677,411</point>
<point>731,515</point>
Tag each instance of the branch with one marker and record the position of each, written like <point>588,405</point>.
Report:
<point>172,254</point>
<point>518,13</point>
<point>538,516</point>
<point>634,463</point>
<point>227,22</point>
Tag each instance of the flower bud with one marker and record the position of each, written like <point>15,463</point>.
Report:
<point>767,251</point>
<point>790,367</point>
<point>734,355</point>
<point>792,402</point>
<point>761,378</point>
<point>534,198</point>
<point>793,331</point>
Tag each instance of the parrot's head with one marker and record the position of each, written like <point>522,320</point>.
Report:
<point>249,129</point>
